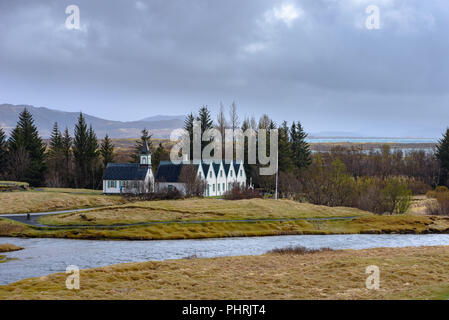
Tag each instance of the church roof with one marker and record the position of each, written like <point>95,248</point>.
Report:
<point>125,171</point>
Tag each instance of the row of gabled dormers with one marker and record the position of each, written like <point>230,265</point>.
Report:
<point>219,176</point>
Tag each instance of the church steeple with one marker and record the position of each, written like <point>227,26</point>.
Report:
<point>145,155</point>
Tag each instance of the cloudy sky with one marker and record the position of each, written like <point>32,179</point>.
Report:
<point>308,60</point>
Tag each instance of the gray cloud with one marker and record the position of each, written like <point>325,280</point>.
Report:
<point>309,60</point>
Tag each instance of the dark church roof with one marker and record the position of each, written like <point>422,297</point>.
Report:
<point>125,171</point>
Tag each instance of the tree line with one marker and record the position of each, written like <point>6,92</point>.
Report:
<point>76,160</point>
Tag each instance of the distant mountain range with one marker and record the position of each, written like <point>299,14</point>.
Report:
<point>160,125</point>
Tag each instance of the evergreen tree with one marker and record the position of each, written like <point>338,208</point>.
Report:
<point>285,160</point>
<point>188,127</point>
<point>107,151</point>
<point>55,145</point>
<point>67,152</point>
<point>55,160</point>
<point>93,157</point>
<point>300,148</point>
<point>3,153</point>
<point>158,156</point>
<point>145,137</point>
<point>25,138</point>
<point>85,152</point>
<point>206,123</point>
<point>442,154</point>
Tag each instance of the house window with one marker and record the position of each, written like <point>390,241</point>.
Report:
<point>207,190</point>
<point>229,186</point>
<point>213,188</point>
<point>218,187</point>
<point>199,174</point>
<point>221,173</point>
<point>241,173</point>
<point>231,173</point>
<point>224,187</point>
<point>210,174</point>
<point>170,187</point>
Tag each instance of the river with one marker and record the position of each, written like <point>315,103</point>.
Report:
<point>44,256</point>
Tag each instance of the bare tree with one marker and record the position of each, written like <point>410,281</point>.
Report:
<point>222,125</point>
<point>194,185</point>
<point>18,163</point>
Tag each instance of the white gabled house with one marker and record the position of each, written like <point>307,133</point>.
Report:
<point>134,178</point>
<point>219,177</point>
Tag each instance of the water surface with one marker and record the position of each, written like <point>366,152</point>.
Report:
<point>45,256</point>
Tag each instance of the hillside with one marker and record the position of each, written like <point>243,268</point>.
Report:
<point>160,126</point>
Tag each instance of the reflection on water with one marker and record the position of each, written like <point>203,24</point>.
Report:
<point>45,256</point>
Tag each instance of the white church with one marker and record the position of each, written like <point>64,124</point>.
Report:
<point>138,178</point>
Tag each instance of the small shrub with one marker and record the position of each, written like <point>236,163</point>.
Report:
<point>438,190</point>
<point>441,206</point>
<point>418,187</point>
<point>298,250</point>
<point>239,193</point>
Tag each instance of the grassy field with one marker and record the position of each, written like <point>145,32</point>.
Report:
<point>405,273</point>
<point>399,224</point>
<point>53,200</point>
<point>198,210</point>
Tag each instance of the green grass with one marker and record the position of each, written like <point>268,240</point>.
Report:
<point>404,224</point>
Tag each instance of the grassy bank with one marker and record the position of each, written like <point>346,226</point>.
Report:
<point>403,224</point>
<point>405,273</point>
<point>53,200</point>
<point>7,247</point>
<point>200,209</point>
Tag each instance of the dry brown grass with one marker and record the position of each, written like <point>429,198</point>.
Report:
<point>405,273</point>
<point>7,247</point>
<point>52,200</point>
<point>201,209</point>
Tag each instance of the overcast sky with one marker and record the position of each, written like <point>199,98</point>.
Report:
<point>308,60</point>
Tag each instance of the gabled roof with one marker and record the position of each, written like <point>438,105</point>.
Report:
<point>205,167</point>
<point>125,171</point>
<point>168,172</point>
<point>216,167</point>
<point>228,166</point>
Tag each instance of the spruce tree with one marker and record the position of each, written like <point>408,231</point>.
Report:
<point>206,123</point>
<point>56,144</point>
<point>55,159</point>
<point>93,157</point>
<point>80,151</point>
<point>25,137</point>
<point>300,148</point>
<point>188,127</point>
<point>157,157</point>
<point>145,137</point>
<point>107,151</point>
<point>67,152</point>
<point>442,154</point>
<point>285,160</point>
<point>3,153</point>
